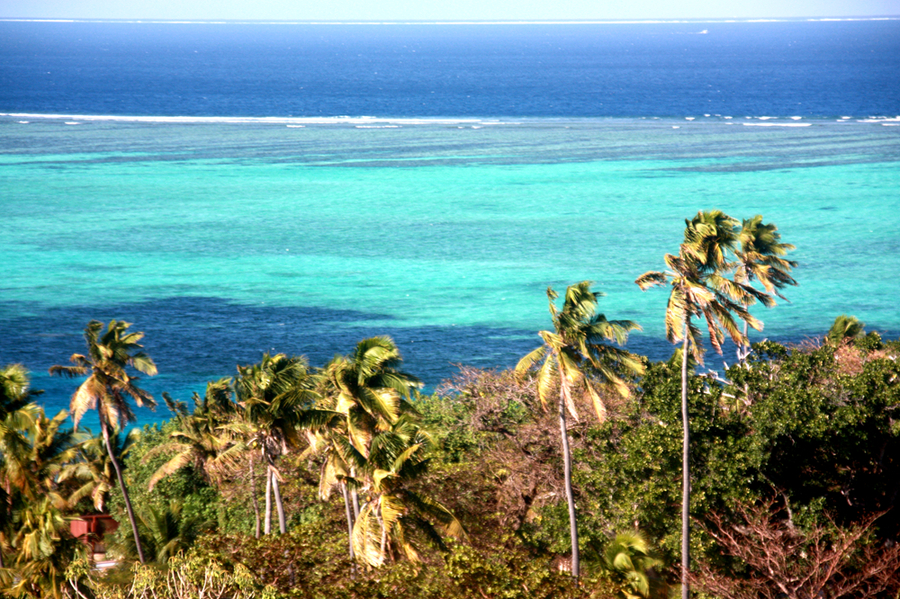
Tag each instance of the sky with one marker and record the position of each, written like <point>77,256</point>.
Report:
<point>441,10</point>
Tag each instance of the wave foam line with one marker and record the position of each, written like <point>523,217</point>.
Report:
<point>794,124</point>
<point>333,120</point>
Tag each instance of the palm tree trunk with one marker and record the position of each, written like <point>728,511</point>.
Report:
<point>743,350</point>
<point>383,531</point>
<point>253,496</point>
<point>567,474</point>
<point>686,474</point>
<point>267,523</point>
<point>104,427</point>
<point>349,519</point>
<point>279,506</point>
<point>354,496</point>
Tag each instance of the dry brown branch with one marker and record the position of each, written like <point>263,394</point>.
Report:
<point>777,561</point>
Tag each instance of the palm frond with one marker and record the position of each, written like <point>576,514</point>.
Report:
<point>651,279</point>
<point>367,537</point>
<point>176,463</point>
<point>530,359</point>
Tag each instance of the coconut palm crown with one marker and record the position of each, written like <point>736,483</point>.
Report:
<point>579,341</point>
<point>760,256</point>
<point>109,386</point>
<point>701,288</point>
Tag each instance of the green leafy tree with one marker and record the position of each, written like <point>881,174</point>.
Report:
<point>700,289</point>
<point>630,558</point>
<point>109,386</point>
<point>572,352</point>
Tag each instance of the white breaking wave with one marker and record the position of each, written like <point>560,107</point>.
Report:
<point>777,124</point>
<point>359,121</point>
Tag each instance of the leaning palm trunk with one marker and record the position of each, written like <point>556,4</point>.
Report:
<point>686,474</point>
<point>567,475</point>
<point>104,426</point>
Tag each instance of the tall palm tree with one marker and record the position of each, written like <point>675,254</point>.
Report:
<point>328,437</point>
<point>272,394</point>
<point>368,388</point>
<point>363,394</point>
<point>760,257</point>
<point>575,355</point>
<point>700,289</point>
<point>108,388</point>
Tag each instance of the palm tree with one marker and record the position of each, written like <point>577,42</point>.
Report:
<point>44,551</point>
<point>368,392</point>
<point>272,394</point>
<point>33,468</point>
<point>760,257</point>
<point>845,328</point>
<point>33,452</point>
<point>392,510</point>
<point>15,391</point>
<point>108,388</point>
<point>574,351</point>
<point>700,289</point>
<point>17,413</point>
<point>94,470</point>
<point>201,439</point>
<point>328,437</point>
<point>166,531</point>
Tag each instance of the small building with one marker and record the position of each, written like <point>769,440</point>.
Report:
<point>92,530</point>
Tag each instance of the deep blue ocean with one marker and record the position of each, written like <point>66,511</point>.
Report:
<point>239,188</point>
<point>829,68</point>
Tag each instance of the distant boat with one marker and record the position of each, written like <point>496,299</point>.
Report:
<point>705,31</point>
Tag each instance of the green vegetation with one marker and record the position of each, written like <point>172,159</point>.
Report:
<point>791,487</point>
